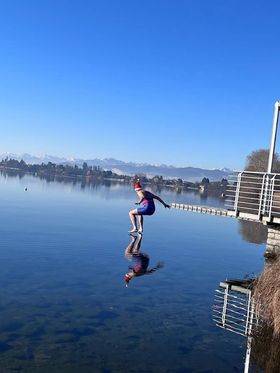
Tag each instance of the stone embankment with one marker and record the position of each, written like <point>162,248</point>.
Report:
<point>273,239</point>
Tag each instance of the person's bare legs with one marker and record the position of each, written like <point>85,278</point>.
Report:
<point>132,217</point>
<point>130,247</point>
<point>140,223</point>
<point>137,245</point>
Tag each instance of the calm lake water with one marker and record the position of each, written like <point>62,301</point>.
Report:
<point>63,303</point>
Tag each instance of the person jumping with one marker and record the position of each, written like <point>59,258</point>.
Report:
<point>147,207</point>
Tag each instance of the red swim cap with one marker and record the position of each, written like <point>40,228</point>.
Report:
<point>127,278</point>
<point>137,186</point>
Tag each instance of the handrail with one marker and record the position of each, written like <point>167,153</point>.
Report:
<point>254,191</point>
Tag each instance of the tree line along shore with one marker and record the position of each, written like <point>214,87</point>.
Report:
<point>92,173</point>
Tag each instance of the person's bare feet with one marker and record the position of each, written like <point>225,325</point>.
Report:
<point>133,230</point>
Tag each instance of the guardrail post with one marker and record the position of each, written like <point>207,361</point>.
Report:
<point>225,305</point>
<point>239,178</point>
<point>269,188</point>
<point>263,193</point>
<point>271,196</point>
<point>249,326</point>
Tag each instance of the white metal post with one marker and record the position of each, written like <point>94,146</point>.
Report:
<point>239,178</point>
<point>271,196</point>
<point>261,204</point>
<point>225,306</point>
<point>273,136</point>
<point>250,318</point>
<point>248,355</point>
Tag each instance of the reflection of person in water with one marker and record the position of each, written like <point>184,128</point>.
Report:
<point>140,261</point>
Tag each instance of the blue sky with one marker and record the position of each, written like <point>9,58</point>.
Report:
<point>179,82</point>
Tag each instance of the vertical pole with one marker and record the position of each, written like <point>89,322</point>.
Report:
<point>239,179</point>
<point>261,203</point>
<point>249,327</point>
<point>271,197</point>
<point>273,136</point>
<point>225,306</point>
<point>248,355</point>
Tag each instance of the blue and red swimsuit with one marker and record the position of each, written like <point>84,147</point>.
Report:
<point>140,263</point>
<point>147,205</point>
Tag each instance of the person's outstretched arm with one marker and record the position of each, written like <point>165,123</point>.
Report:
<point>152,270</point>
<point>161,201</point>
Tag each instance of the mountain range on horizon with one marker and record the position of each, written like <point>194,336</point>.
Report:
<point>129,168</point>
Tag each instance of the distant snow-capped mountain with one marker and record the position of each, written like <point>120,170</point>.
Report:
<point>32,159</point>
<point>129,168</point>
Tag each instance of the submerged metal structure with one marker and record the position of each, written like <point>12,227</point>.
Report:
<point>234,310</point>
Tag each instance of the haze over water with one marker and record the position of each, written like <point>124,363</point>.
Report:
<point>63,303</point>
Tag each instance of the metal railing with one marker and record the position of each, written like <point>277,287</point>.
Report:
<point>234,310</point>
<point>254,193</point>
